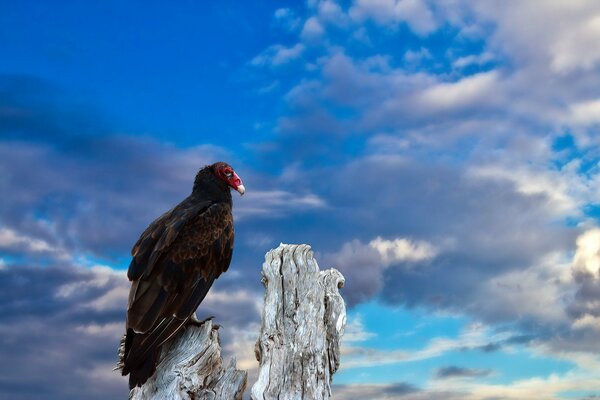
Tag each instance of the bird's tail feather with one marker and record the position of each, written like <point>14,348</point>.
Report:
<point>139,375</point>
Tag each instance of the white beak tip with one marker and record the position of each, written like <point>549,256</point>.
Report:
<point>241,189</point>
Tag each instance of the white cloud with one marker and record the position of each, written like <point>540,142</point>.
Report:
<point>356,331</point>
<point>274,203</point>
<point>587,321</point>
<point>112,329</point>
<point>401,250</point>
<point>13,240</point>
<point>473,59</point>
<point>241,346</point>
<point>584,112</point>
<point>114,285</point>
<point>563,191</point>
<point>468,91</point>
<point>415,13</point>
<point>385,253</point>
<point>537,292</point>
<point>223,299</point>
<point>543,388</point>
<point>520,30</point>
<point>363,264</point>
<point>577,46</point>
<point>474,335</point>
<point>330,12</point>
<point>587,255</point>
<point>282,13</point>
<point>312,29</point>
<point>287,18</point>
<point>416,56</point>
<point>277,55</point>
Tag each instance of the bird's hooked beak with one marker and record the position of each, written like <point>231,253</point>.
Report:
<point>236,183</point>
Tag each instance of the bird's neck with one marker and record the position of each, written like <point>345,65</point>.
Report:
<point>208,187</point>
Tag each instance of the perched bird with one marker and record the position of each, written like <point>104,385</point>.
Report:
<point>175,261</point>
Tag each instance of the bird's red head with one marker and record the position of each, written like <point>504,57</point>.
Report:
<point>224,172</point>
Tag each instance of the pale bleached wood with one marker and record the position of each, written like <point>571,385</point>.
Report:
<point>298,347</point>
<point>190,368</point>
<point>302,323</point>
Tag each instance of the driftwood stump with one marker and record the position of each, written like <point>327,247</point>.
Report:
<point>298,347</point>
<point>303,320</point>
<point>190,368</point>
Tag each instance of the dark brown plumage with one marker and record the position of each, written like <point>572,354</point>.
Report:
<point>175,261</point>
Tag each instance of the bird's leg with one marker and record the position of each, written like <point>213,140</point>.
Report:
<point>193,320</point>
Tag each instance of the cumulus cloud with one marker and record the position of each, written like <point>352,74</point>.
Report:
<point>473,59</point>
<point>463,93</point>
<point>363,264</point>
<point>400,249</point>
<point>539,293</point>
<point>587,256</point>
<point>584,307</point>
<point>277,55</point>
<point>287,18</point>
<point>10,240</point>
<point>467,145</point>
<point>520,30</point>
<point>415,13</point>
<point>509,80</point>
<point>312,29</point>
<point>584,113</point>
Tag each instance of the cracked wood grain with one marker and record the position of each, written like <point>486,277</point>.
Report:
<point>298,348</point>
<point>302,323</point>
<point>191,368</point>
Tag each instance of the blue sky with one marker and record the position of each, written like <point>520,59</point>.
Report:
<point>444,157</point>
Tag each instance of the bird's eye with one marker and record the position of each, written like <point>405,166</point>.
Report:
<point>228,173</point>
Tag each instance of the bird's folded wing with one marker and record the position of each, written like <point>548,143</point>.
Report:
<point>192,250</point>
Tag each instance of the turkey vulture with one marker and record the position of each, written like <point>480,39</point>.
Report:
<point>175,261</point>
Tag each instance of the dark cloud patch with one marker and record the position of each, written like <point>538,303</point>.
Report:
<point>520,339</point>
<point>497,346</point>
<point>398,390</point>
<point>393,390</point>
<point>453,371</point>
<point>401,388</point>
<point>361,266</point>
<point>587,298</point>
<point>490,347</point>
<point>60,327</point>
<point>59,331</point>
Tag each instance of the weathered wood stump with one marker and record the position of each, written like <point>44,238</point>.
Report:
<point>298,347</point>
<point>190,368</point>
<point>303,320</point>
